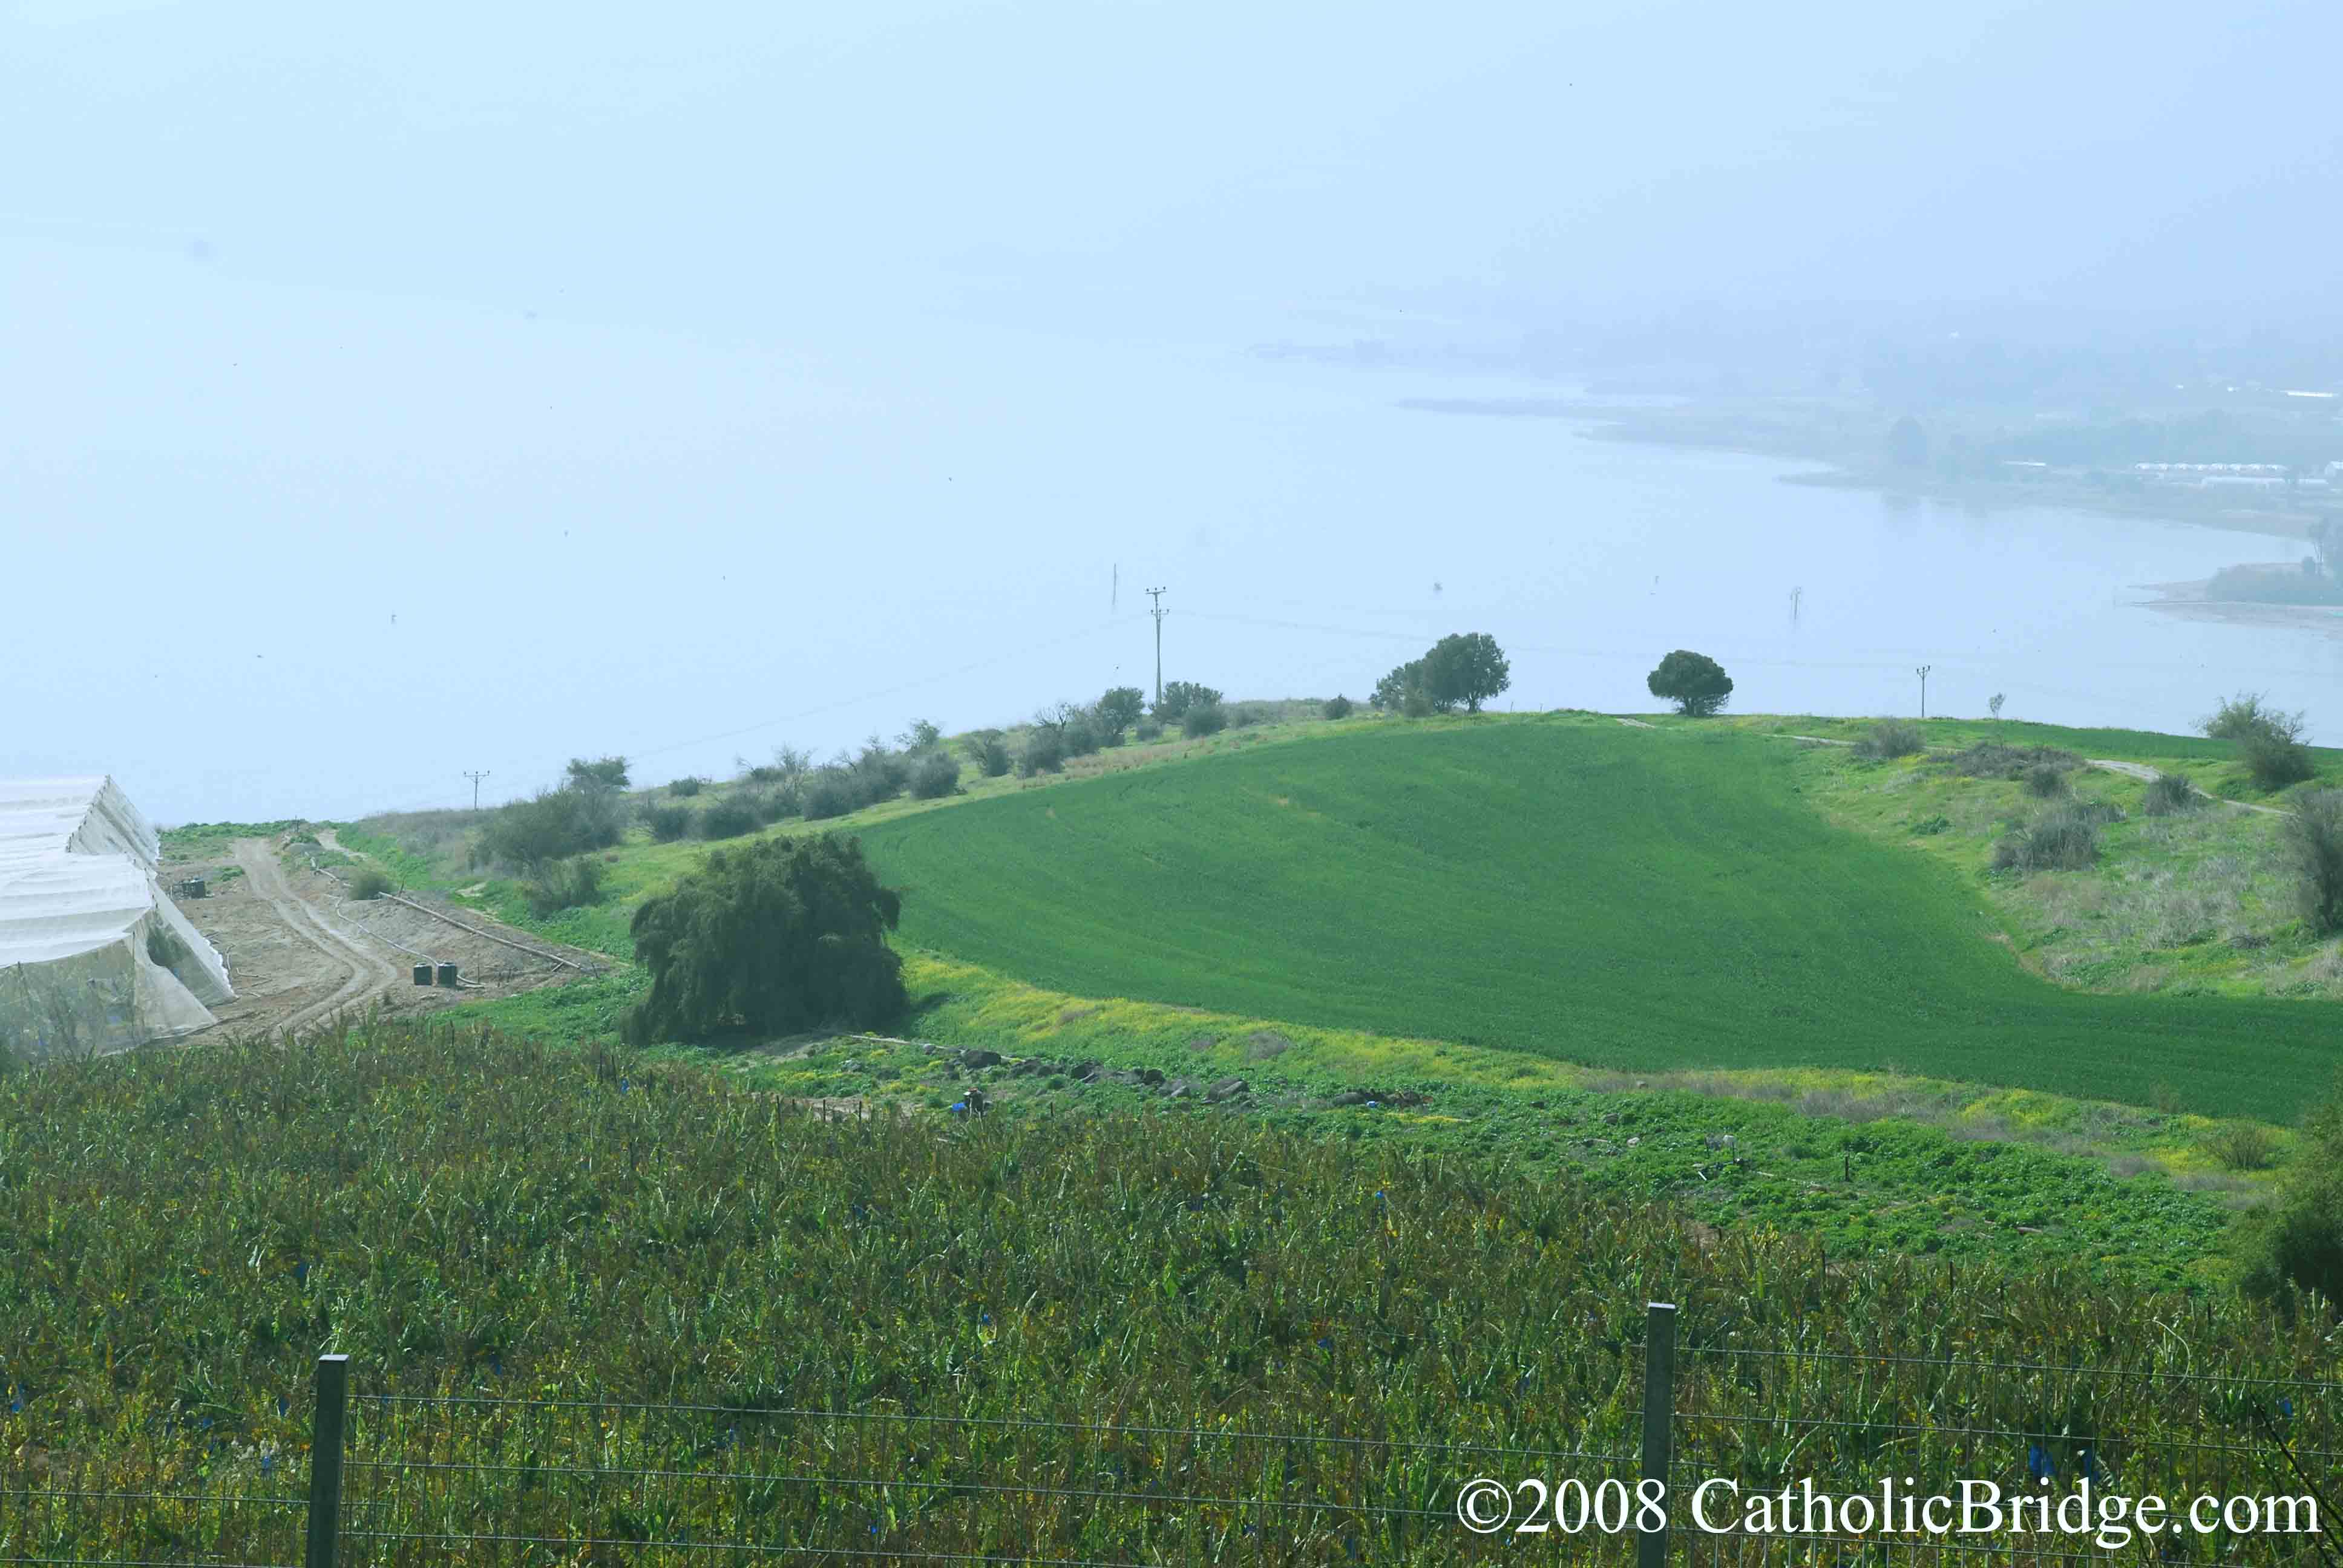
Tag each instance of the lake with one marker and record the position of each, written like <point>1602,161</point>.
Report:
<point>325,594</point>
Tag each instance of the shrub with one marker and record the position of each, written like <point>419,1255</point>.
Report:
<point>2275,754</point>
<point>829,792</point>
<point>921,734</point>
<point>2297,1242</point>
<point>881,774</point>
<point>2170,794</point>
<point>687,786</point>
<point>367,883</point>
<point>551,826</point>
<point>2238,717</point>
<point>2243,1146</point>
<point>1991,759</point>
<point>2066,839</point>
<point>1245,715</point>
<point>2313,843</point>
<point>668,823</point>
<point>1892,738</point>
<point>1079,735</point>
<point>783,935</point>
<point>1203,718</point>
<point>935,776</point>
<point>1179,696</point>
<point>726,819</point>
<point>1339,706</point>
<point>1148,729</point>
<point>2269,739</point>
<point>1694,683</point>
<point>1045,752</point>
<point>992,757</point>
<point>564,885</point>
<point>2045,782</point>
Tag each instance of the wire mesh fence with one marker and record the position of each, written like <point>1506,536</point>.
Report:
<point>439,1480</point>
<point>1706,1453</point>
<point>172,1510</point>
<point>1892,1458</point>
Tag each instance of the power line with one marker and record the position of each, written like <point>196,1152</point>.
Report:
<point>476,778</point>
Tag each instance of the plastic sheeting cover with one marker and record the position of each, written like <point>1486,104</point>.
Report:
<point>79,866</point>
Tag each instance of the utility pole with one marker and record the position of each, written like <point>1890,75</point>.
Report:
<point>1159,612</point>
<point>1922,671</point>
<point>475,778</point>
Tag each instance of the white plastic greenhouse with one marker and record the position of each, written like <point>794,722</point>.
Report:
<point>94,956</point>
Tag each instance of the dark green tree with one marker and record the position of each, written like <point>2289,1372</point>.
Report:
<point>601,773</point>
<point>1694,683</point>
<point>1467,667</point>
<point>1179,696</point>
<point>770,937</point>
<point>1120,708</point>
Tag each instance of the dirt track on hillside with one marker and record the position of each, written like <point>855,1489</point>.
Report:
<point>367,975</point>
<point>300,952</point>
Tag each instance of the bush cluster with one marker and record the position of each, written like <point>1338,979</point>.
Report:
<point>2313,843</point>
<point>1892,738</point>
<point>728,818</point>
<point>2269,739</point>
<point>367,883</point>
<point>1338,706</point>
<point>935,776</point>
<point>1203,718</point>
<point>2171,794</point>
<point>552,825</point>
<point>564,885</point>
<point>1462,669</point>
<point>1991,759</point>
<point>2296,1242</point>
<point>667,822</point>
<point>2063,839</point>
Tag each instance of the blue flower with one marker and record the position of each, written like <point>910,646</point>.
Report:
<point>2090,1465</point>
<point>624,1086</point>
<point>267,1463</point>
<point>281,1406</point>
<point>2038,1463</point>
<point>496,1366</point>
<point>1325,1345</point>
<point>984,1317</point>
<point>1372,1104</point>
<point>205,1423</point>
<point>2284,1406</point>
<point>301,1274</point>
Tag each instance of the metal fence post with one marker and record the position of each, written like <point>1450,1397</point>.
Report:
<point>328,1424</point>
<point>1659,1411</point>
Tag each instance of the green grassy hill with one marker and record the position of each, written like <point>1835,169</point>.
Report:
<point>1562,887</point>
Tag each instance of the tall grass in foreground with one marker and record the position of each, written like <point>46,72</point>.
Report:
<point>470,1215</point>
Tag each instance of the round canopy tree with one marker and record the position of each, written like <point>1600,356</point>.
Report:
<point>776,937</point>
<point>1694,683</point>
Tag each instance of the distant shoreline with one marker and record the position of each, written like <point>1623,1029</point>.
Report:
<point>1720,429</point>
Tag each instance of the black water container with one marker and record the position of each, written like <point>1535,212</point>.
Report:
<point>448,976</point>
<point>422,974</point>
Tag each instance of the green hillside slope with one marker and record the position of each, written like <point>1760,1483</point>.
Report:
<point>1579,890</point>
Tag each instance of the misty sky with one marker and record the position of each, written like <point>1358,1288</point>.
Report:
<point>663,373</point>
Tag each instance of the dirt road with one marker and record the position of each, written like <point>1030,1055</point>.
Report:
<point>368,974</point>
